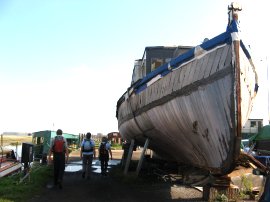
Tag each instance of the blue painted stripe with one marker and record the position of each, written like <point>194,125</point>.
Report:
<point>245,49</point>
<point>216,41</point>
<point>233,27</point>
<point>224,38</point>
<point>141,88</point>
<point>182,58</point>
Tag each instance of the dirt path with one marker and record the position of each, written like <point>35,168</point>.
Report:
<point>114,188</point>
<point>104,189</point>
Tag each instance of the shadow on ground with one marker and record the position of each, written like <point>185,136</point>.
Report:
<point>115,188</point>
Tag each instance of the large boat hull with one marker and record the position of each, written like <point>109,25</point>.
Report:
<point>193,114</point>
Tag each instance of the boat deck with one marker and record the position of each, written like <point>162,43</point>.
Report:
<point>9,166</point>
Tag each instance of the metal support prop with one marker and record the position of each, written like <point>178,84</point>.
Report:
<point>142,156</point>
<point>130,151</point>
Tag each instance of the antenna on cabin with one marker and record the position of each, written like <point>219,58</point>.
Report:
<point>235,6</point>
<point>233,9</point>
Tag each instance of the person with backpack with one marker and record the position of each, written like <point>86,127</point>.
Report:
<point>104,151</point>
<point>59,149</point>
<point>87,153</point>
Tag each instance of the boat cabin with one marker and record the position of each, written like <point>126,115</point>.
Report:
<point>154,57</point>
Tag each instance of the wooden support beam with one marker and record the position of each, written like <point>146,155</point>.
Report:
<point>142,157</point>
<point>129,156</point>
<point>220,188</point>
<point>216,193</point>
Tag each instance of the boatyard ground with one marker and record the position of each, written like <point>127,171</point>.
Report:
<point>121,188</point>
<point>114,187</point>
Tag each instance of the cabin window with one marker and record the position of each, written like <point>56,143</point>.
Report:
<point>38,140</point>
<point>138,70</point>
<point>253,124</point>
<point>155,63</point>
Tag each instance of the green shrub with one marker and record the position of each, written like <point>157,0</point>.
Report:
<point>116,146</point>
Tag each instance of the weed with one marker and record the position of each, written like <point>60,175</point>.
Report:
<point>222,198</point>
<point>247,186</point>
<point>13,190</point>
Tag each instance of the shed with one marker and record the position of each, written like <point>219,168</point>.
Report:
<point>262,140</point>
<point>42,141</point>
<point>264,133</point>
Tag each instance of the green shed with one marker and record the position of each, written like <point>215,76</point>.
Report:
<point>42,141</point>
<point>262,140</point>
<point>264,133</point>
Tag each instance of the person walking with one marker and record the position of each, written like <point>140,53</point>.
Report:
<point>87,153</point>
<point>59,149</point>
<point>104,151</point>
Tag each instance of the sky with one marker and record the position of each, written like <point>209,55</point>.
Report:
<point>65,63</point>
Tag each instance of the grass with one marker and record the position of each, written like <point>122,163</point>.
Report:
<point>14,191</point>
<point>116,146</point>
<point>10,188</point>
<point>15,139</point>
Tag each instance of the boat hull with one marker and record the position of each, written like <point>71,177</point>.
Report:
<point>193,114</point>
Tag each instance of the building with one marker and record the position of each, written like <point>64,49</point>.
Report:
<point>252,127</point>
<point>114,137</point>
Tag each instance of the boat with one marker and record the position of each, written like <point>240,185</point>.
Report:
<point>190,103</point>
<point>8,162</point>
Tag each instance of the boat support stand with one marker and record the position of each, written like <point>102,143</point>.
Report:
<point>130,151</point>
<point>142,156</point>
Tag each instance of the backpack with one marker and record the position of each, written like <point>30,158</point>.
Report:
<point>102,150</point>
<point>59,144</point>
<point>87,146</point>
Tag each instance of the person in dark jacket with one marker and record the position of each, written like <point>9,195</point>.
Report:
<point>104,151</point>
<point>59,149</point>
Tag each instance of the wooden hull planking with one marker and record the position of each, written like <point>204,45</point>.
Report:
<point>193,114</point>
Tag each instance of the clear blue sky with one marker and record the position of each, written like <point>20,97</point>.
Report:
<point>64,64</point>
